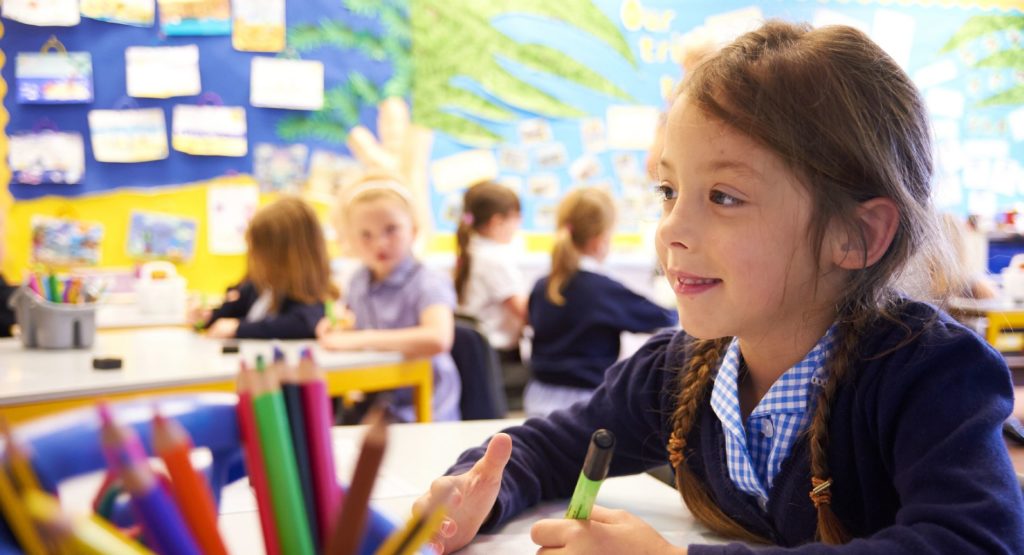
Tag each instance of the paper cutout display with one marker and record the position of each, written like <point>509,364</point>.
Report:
<point>288,84</point>
<point>259,25</point>
<point>128,135</point>
<point>43,13</point>
<point>161,236</point>
<point>139,13</point>
<point>162,71</point>
<point>54,77</point>
<point>195,17</point>
<point>229,208</point>
<point>61,241</point>
<point>209,130</point>
<point>280,168</point>
<point>47,157</point>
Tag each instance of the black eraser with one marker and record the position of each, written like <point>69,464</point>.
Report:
<point>229,348</point>
<point>106,363</point>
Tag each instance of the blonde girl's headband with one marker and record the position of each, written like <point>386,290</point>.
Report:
<point>379,185</point>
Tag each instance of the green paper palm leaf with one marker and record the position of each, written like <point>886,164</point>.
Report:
<point>1013,58</point>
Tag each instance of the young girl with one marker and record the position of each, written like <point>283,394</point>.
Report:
<point>807,405</point>
<point>288,279</point>
<point>577,312</point>
<point>488,284</point>
<point>398,303</point>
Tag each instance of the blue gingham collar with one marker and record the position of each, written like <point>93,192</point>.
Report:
<point>810,371</point>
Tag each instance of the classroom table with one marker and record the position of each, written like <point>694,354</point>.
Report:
<point>36,382</point>
<point>419,453</point>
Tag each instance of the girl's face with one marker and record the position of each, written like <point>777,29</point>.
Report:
<point>381,233</point>
<point>733,236</point>
<point>502,227</point>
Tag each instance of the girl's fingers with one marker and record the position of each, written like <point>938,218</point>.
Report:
<point>553,532</point>
<point>499,450</point>
<point>603,514</point>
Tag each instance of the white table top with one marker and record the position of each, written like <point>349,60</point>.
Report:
<point>418,453</point>
<point>158,357</point>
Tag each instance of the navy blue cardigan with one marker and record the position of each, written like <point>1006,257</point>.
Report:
<point>294,320</point>
<point>915,449</point>
<point>6,312</point>
<point>575,343</point>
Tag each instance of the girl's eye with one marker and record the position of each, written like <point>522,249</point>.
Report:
<point>664,192</point>
<point>724,199</point>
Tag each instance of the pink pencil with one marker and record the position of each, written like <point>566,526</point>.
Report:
<point>254,461</point>
<point>317,409</point>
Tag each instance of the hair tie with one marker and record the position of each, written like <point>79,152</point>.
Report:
<point>467,218</point>
<point>820,494</point>
<point>676,445</point>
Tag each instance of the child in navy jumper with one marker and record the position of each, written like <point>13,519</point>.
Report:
<point>287,282</point>
<point>577,312</point>
<point>809,406</point>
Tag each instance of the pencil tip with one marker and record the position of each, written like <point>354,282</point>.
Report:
<point>261,363</point>
<point>106,415</point>
<point>278,354</point>
<point>307,353</point>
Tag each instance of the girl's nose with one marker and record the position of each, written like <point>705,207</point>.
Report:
<point>675,230</point>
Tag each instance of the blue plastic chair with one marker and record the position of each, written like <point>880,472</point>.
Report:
<point>68,445</point>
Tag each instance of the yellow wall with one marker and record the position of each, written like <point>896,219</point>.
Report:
<point>204,272</point>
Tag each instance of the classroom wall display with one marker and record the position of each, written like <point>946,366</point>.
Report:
<point>65,242</point>
<point>126,12</point>
<point>59,77</point>
<point>129,135</point>
<point>46,157</point>
<point>161,237</point>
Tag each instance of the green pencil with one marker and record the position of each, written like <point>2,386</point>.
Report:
<point>595,469</point>
<point>279,459</point>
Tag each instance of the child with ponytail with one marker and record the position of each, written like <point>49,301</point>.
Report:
<point>809,405</point>
<point>577,312</point>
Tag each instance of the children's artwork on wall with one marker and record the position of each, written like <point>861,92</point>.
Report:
<point>459,171</point>
<point>47,157</point>
<point>43,13</point>
<point>258,26</point>
<point>280,168</point>
<point>631,127</point>
<point>195,17</point>
<point>229,208</point>
<point>162,71</point>
<point>58,77</point>
<point>161,236</point>
<point>205,130</point>
<point>134,135</point>
<point>285,83</point>
<point>62,242</point>
<point>139,13</point>
<point>329,173</point>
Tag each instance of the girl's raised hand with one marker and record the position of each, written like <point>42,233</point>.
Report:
<point>472,498</point>
<point>607,531</point>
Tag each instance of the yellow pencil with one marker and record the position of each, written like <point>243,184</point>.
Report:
<point>21,467</point>
<point>419,528</point>
<point>88,535</point>
<point>18,519</point>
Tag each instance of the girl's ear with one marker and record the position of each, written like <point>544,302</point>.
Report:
<point>875,226</point>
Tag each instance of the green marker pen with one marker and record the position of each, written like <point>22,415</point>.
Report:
<point>595,469</point>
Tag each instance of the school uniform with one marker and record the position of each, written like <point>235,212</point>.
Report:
<point>575,343</point>
<point>6,312</point>
<point>915,449</point>
<point>493,278</point>
<point>396,302</point>
<point>292,320</point>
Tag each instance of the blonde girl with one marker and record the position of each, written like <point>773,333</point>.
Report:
<point>398,303</point>
<point>808,407</point>
<point>287,282</point>
<point>578,312</point>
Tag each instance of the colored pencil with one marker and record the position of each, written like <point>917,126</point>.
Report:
<point>317,408</point>
<point>18,460</point>
<point>53,289</point>
<point>300,444</point>
<point>330,312</point>
<point>172,444</point>
<point>422,526</point>
<point>88,535</point>
<point>348,528</point>
<point>18,519</point>
<point>254,460</point>
<point>156,510</point>
<point>282,475</point>
<point>33,284</point>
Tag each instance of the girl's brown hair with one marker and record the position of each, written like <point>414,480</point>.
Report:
<point>480,203</point>
<point>287,253</point>
<point>849,122</point>
<point>583,214</point>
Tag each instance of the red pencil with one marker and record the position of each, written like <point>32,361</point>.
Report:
<point>317,408</point>
<point>254,461</point>
<point>172,444</point>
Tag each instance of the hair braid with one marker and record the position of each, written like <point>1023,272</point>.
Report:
<point>701,366</point>
<point>840,364</point>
